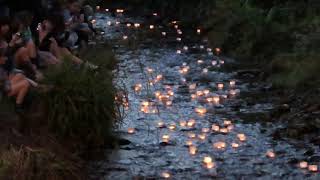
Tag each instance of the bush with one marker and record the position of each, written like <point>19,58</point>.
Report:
<point>81,104</point>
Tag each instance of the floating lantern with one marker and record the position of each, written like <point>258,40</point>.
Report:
<point>270,154</point>
<point>216,99</point>
<point>232,83</point>
<point>200,61</point>
<point>220,145</point>
<point>179,39</point>
<point>227,122</point>
<point>189,142</point>
<point>210,165</point>
<point>192,135</point>
<point>209,99</point>
<point>303,164</point>
<point>221,61</point>
<point>224,130</point>
<point>206,92</point>
<point>215,128</point>
<point>155,14</point>
<point>199,93</point>
<point>185,48</point>
<point>169,103</point>
<point>199,31</point>
<point>157,94</point>
<point>93,21</point>
<point>220,86</point>
<point>131,130</point>
<point>176,26</point>
<point>201,46</point>
<point>119,10</point>
<point>145,103</point>
<point>166,175</point>
<point>164,33</point>
<point>165,138</point>
<point>150,70</point>
<point>138,87</point>
<point>205,130</point>
<point>202,136</point>
<point>192,86</point>
<point>129,25</point>
<point>192,150</point>
<point>136,25</point>
<point>209,49</point>
<point>170,93</point>
<point>172,127</point>
<point>179,32</point>
<point>183,80</point>
<point>205,70</point>
<point>191,123</point>
<point>125,37</point>
<point>109,23</point>
<point>201,110</point>
<point>174,22</point>
<point>107,10</point>
<point>159,77</point>
<point>218,50</point>
<point>313,168</point>
<point>207,161</point>
<point>214,63</point>
<point>98,7</point>
<point>242,137</point>
<point>160,124</point>
<point>183,123</point>
<point>117,22</point>
<point>193,96</point>
<point>235,145</point>
<point>178,51</point>
<point>151,26</point>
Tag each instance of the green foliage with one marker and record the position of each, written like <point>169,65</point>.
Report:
<point>81,103</point>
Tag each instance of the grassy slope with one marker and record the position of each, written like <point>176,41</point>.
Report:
<point>74,116</point>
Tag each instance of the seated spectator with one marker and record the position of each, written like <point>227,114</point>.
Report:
<point>51,38</point>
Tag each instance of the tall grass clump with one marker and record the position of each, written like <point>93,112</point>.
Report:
<point>81,101</point>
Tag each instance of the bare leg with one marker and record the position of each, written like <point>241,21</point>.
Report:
<point>20,90</point>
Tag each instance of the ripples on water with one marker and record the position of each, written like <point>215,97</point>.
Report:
<point>238,150</point>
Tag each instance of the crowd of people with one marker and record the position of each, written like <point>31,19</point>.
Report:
<point>26,49</point>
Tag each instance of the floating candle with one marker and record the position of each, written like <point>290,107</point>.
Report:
<point>216,99</point>
<point>165,138</point>
<point>164,33</point>
<point>192,86</point>
<point>227,122</point>
<point>166,175</point>
<point>242,137</point>
<point>209,99</point>
<point>119,10</point>
<point>183,123</point>
<point>303,164</point>
<point>209,49</point>
<point>199,93</point>
<point>191,123</point>
<point>117,22</point>
<point>93,21</point>
<point>210,165</point>
<point>221,61</point>
<point>201,110</point>
<point>151,26</point>
<point>205,70</point>
<point>125,37</point>
<point>189,142</point>
<point>214,63</point>
<point>218,50</point>
<point>136,25</point>
<point>170,93</point>
<point>235,145</point>
<point>107,10</point>
<point>201,46</point>
<point>206,92</point>
<point>202,136</point>
<point>224,130</point>
<point>313,168</point>
<point>219,145</point>
<point>192,150</point>
<point>159,77</point>
<point>131,130</point>
<point>128,24</point>
<point>160,124</point>
<point>207,159</point>
<point>215,128</point>
<point>109,23</point>
<point>155,14</point>
<point>270,154</point>
<point>193,96</point>
<point>220,86</point>
<point>138,87</point>
<point>169,103</point>
<point>191,135</point>
<point>232,83</point>
<point>205,130</point>
<point>199,31</point>
<point>185,48</point>
<point>179,32</point>
<point>178,51</point>
<point>157,94</point>
<point>179,39</point>
<point>98,7</point>
<point>176,26</point>
<point>145,103</point>
<point>200,61</point>
<point>172,127</point>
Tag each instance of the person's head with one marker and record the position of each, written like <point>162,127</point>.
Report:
<point>54,23</point>
<point>4,26</point>
<point>21,21</point>
<point>74,6</point>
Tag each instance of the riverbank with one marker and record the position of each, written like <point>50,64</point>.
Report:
<point>69,117</point>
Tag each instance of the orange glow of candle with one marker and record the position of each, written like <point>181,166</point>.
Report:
<point>202,136</point>
<point>151,26</point>
<point>205,130</point>
<point>242,137</point>
<point>178,51</point>
<point>191,135</point>
<point>128,24</point>
<point>303,164</point>
<point>172,127</point>
<point>164,33</point>
<point>199,31</point>
<point>218,50</point>
<point>160,124</point>
<point>193,96</point>
<point>220,145</point>
<point>98,7</point>
<point>131,130</point>
<point>313,168</point>
<point>189,142</point>
<point>210,165</point>
<point>220,86</point>
<point>224,130</point>
<point>179,39</point>
<point>206,92</point>
<point>199,93</point>
<point>215,127</point>
<point>201,110</point>
<point>165,138</point>
<point>192,150</point>
<point>155,14</point>
<point>216,99</point>
<point>227,122</point>
<point>270,154</point>
<point>159,77</point>
<point>138,87</point>
<point>200,61</point>
<point>136,25</point>
<point>207,159</point>
<point>176,26</point>
<point>169,103</point>
<point>166,175</point>
<point>191,123</point>
<point>183,123</point>
<point>232,83</point>
<point>235,145</point>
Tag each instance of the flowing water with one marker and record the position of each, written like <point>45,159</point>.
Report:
<point>177,83</point>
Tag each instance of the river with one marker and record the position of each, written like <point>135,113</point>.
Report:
<point>183,121</point>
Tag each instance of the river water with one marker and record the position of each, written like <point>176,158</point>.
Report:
<point>176,107</point>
